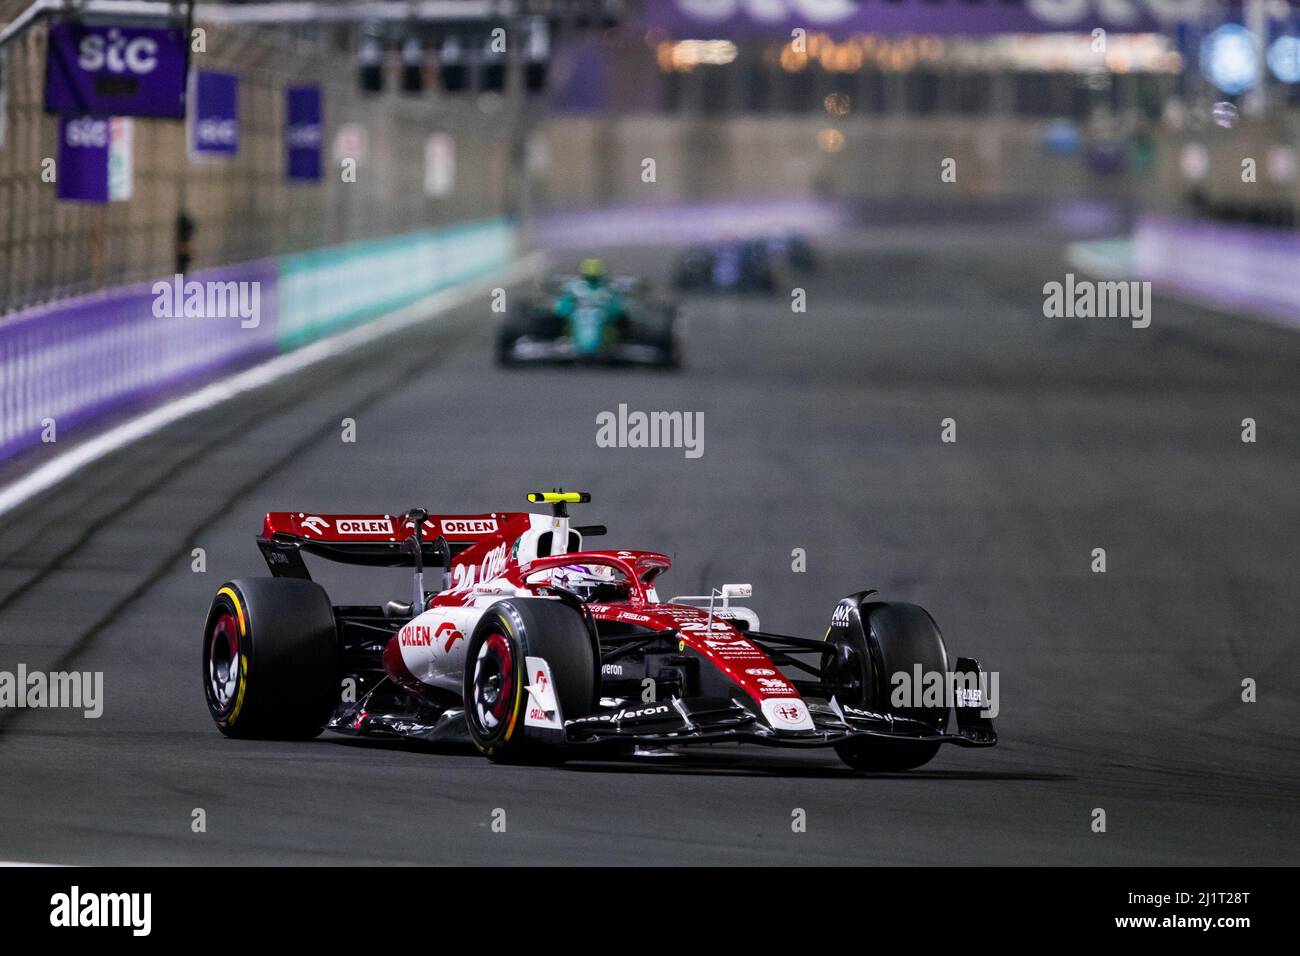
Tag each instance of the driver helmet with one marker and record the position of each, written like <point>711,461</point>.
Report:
<point>593,270</point>
<point>584,579</point>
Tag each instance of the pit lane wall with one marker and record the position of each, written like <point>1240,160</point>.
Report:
<point>68,363</point>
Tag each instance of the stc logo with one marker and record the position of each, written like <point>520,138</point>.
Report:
<point>819,13</point>
<point>1118,12</point>
<point>214,132</point>
<point>117,54</point>
<point>307,136</point>
<point>86,133</point>
<point>772,11</point>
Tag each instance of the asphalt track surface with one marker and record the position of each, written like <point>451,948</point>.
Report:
<point>1118,691</point>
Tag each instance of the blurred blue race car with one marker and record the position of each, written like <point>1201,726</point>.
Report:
<point>744,265</point>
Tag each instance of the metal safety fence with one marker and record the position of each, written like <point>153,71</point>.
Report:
<point>241,208</point>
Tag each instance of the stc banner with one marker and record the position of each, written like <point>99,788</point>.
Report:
<point>214,114</point>
<point>303,133</point>
<point>116,70</point>
<point>776,18</point>
<point>95,160</point>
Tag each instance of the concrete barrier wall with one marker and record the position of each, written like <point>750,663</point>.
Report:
<point>598,160</point>
<point>1207,162</point>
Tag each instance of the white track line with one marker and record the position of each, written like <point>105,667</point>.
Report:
<point>5,864</point>
<point>72,461</point>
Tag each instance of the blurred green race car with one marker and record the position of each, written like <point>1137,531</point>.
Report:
<point>590,318</point>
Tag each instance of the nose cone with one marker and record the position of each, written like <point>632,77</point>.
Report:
<point>588,330</point>
<point>787,713</point>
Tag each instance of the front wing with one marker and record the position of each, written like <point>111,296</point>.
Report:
<point>702,720</point>
<point>526,349</point>
<point>679,722</point>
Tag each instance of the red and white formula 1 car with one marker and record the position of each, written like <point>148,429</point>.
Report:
<point>537,649</point>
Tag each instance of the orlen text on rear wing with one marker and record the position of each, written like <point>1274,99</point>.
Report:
<point>379,540</point>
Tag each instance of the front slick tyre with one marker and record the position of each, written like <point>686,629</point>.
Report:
<point>900,637</point>
<point>885,757</point>
<point>496,675</point>
<point>270,659</point>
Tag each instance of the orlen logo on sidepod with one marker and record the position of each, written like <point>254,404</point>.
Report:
<point>423,635</point>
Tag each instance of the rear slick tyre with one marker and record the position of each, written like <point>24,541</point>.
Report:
<point>271,659</point>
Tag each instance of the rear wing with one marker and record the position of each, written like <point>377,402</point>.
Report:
<point>381,541</point>
<point>385,540</point>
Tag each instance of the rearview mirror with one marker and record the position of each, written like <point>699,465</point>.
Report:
<point>737,590</point>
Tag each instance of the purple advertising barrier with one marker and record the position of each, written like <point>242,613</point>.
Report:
<point>100,70</point>
<point>696,222</point>
<point>304,133</point>
<point>214,114</point>
<point>839,18</point>
<point>77,360</point>
<point>82,172</point>
<point>1234,267</point>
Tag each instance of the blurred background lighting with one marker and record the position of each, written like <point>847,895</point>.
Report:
<point>830,140</point>
<point>1284,58</point>
<point>1229,58</point>
<point>837,104</point>
<point>685,55</point>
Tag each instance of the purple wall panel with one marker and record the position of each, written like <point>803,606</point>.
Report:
<point>82,358</point>
<point>1234,267</point>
